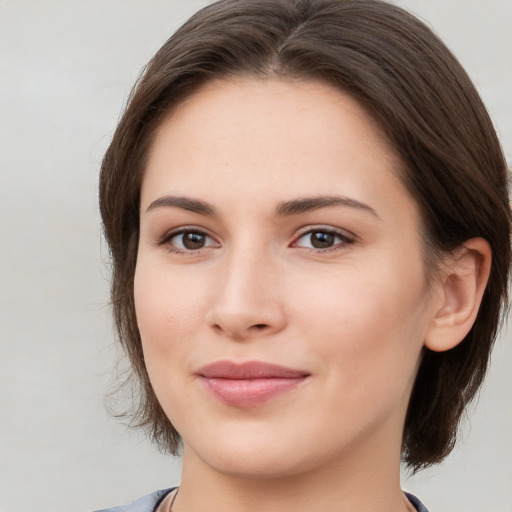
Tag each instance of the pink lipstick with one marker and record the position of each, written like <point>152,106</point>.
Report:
<point>249,384</point>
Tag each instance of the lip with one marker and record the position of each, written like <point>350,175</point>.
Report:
<point>250,383</point>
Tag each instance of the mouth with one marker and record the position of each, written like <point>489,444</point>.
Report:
<point>249,384</point>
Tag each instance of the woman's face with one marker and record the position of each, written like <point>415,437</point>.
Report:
<point>280,288</point>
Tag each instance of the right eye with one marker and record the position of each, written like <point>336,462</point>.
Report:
<point>188,241</point>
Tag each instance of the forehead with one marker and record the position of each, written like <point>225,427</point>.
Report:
<point>269,137</point>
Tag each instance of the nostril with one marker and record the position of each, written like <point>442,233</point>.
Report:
<point>260,326</point>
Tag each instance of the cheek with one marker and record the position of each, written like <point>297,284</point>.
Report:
<point>367,321</point>
<point>167,306</point>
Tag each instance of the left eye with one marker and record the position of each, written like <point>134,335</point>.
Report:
<point>191,241</point>
<point>321,239</point>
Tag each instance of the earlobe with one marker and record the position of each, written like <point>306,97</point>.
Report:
<point>461,288</point>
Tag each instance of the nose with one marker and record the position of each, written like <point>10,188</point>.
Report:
<point>247,303</point>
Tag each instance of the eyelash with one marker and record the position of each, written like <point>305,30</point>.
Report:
<point>167,238</point>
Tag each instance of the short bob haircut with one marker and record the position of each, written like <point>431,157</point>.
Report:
<point>414,88</point>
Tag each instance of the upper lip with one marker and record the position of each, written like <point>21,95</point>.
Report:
<point>248,370</point>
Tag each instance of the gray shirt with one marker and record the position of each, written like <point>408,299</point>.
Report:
<point>150,503</point>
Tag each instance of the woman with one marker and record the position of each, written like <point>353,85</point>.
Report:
<point>306,205</point>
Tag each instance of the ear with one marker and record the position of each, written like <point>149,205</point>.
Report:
<point>459,293</point>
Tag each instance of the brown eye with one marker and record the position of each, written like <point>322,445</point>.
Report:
<point>323,239</point>
<point>185,241</point>
<point>193,240</point>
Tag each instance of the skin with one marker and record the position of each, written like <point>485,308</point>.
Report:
<point>355,317</point>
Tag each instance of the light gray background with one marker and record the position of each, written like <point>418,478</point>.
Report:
<point>66,69</point>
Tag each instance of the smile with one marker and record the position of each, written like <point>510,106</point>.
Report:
<point>249,384</point>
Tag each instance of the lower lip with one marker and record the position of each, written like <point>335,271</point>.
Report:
<point>249,392</point>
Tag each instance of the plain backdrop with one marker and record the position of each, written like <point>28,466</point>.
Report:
<point>66,67</point>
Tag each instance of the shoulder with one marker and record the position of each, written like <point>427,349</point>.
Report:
<point>147,503</point>
<point>416,502</point>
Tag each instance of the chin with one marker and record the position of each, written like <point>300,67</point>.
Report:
<point>260,466</point>
<point>258,458</point>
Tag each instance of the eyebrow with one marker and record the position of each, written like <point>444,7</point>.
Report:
<point>283,209</point>
<point>186,203</point>
<point>308,204</point>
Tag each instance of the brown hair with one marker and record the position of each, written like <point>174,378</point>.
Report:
<point>427,107</point>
